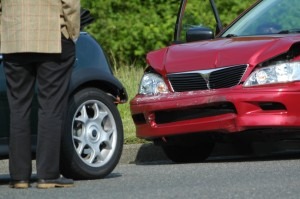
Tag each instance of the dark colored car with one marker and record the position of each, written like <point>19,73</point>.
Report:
<point>93,140</point>
<point>240,86</point>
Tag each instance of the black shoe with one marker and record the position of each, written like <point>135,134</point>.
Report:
<point>19,184</point>
<point>53,183</point>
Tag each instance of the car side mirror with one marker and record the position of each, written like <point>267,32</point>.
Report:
<point>199,34</point>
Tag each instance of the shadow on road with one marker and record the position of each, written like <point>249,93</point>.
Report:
<point>150,154</point>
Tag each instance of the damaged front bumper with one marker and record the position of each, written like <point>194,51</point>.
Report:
<point>222,110</point>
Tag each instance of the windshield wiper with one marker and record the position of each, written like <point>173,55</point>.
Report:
<point>296,30</point>
<point>230,35</point>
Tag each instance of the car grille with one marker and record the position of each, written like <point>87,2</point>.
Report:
<point>207,79</point>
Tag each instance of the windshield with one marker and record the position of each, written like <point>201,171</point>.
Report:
<point>268,17</point>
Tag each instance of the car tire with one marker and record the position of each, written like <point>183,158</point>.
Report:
<point>93,140</point>
<point>188,154</point>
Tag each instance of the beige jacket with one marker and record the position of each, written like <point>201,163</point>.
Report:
<point>36,25</point>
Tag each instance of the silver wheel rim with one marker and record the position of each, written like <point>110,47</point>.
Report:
<point>94,133</point>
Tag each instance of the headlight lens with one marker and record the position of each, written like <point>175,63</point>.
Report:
<point>152,84</point>
<point>278,73</point>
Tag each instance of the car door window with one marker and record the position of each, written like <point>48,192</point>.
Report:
<point>195,17</point>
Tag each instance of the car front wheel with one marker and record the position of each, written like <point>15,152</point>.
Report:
<point>93,140</point>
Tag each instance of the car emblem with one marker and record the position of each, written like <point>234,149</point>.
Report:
<point>205,74</point>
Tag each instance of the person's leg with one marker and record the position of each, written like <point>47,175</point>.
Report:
<point>20,80</point>
<point>53,80</point>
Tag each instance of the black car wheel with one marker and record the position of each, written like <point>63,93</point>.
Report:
<point>93,139</point>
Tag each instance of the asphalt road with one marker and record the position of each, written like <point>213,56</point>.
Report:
<point>222,176</point>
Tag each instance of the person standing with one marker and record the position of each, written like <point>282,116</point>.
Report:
<point>38,46</point>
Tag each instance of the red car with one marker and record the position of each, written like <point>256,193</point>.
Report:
<point>241,86</point>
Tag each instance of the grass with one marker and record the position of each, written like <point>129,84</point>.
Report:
<point>130,77</point>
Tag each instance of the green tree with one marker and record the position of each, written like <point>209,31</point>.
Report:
<point>127,30</point>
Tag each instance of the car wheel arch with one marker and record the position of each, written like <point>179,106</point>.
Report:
<point>118,95</point>
<point>98,79</point>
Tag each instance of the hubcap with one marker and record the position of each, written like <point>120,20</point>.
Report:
<point>94,133</point>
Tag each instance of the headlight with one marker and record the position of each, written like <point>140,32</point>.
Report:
<point>152,84</point>
<point>278,73</point>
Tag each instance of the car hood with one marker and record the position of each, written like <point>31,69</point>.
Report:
<point>218,53</point>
